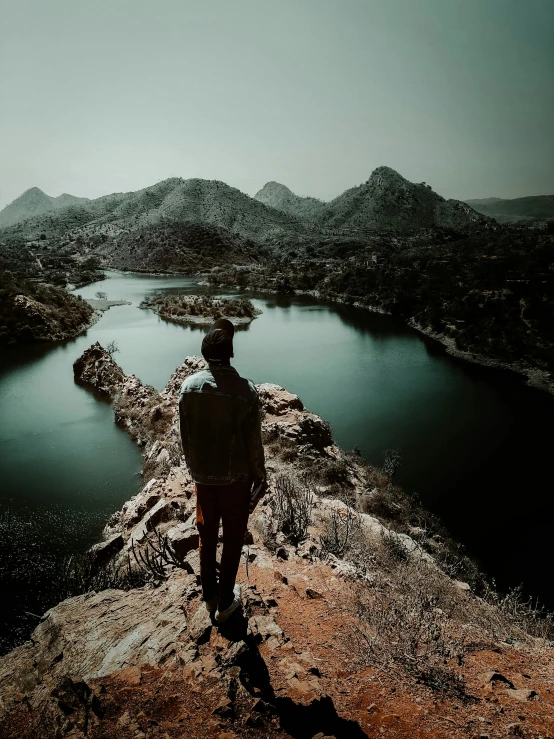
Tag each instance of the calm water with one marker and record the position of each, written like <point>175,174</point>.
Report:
<point>476,443</point>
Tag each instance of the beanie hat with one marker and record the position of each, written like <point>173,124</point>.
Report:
<point>217,345</point>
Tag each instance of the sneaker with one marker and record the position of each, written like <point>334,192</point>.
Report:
<point>211,605</point>
<point>222,616</point>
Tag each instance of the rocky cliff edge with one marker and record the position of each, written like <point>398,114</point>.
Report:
<point>352,625</point>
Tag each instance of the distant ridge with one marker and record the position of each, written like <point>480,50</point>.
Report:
<point>35,202</point>
<point>206,203</point>
<point>530,208</point>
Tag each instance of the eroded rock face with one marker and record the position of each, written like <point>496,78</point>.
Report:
<point>276,401</point>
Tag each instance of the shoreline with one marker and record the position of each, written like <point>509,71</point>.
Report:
<point>198,320</point>
<point>535,378</point>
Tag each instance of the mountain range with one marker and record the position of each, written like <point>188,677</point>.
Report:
<point>386,201</point>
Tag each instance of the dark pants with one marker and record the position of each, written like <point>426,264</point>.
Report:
<point>215,503</point>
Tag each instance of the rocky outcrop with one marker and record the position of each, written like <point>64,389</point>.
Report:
<point>314,652</point>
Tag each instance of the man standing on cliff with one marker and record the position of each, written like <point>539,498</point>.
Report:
<point>220,424</point>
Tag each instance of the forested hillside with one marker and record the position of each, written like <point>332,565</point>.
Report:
<point>491,294</point>
<point>33,312</point>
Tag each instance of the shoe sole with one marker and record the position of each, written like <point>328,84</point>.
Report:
<point>223,617</point>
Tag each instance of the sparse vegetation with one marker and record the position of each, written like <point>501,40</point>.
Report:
<point>406,623</point>
<point>156,557</point>
<point>112,348</point>
<point>150,562</point>
<point>83,574</point>
<point>342,529</point>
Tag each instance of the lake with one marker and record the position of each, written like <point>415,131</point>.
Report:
<point>476,443</point>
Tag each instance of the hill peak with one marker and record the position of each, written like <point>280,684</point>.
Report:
<point>33,191</point>
<point>386,175</point>
<point>273,186</point>
<point>389,201</point>
<point>30,203</point>
<point>279,196</point>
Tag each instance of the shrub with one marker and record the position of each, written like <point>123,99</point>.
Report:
<point>112,348</point>
<point>282,447</point>
<point>337,538</point>
<point>82,574</point>
<point>292,503</point>
<point>336,470</point>
<point>394,548</point>
<point>518,614</point>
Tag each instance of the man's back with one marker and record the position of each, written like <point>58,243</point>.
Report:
<point>219,423</point>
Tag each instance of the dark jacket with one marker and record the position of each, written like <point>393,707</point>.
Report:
<point>220,423</point>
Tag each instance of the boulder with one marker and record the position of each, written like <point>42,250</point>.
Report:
<point>521,695</point>
<point>493,676</point>
<point>265,627</point>
<point>105,550</point>
<point>97,634</point>
<point>183,537</point>
<point>164,511</point>
<point>200,625</point>
<point>464,586</point>
<point>313,594</point>
<point>276,401</point>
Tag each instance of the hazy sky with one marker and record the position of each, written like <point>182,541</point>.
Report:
<point>98,96</point>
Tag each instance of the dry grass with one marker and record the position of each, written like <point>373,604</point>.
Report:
<point>406,620</point>
<point>284,449</point>
<point>512,617</point>
<point>407,615</point>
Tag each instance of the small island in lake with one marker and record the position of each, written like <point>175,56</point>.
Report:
<point>202,309</point>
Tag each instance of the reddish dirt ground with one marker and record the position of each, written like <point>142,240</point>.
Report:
<point>390,702</point>
<point>312,680</point>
